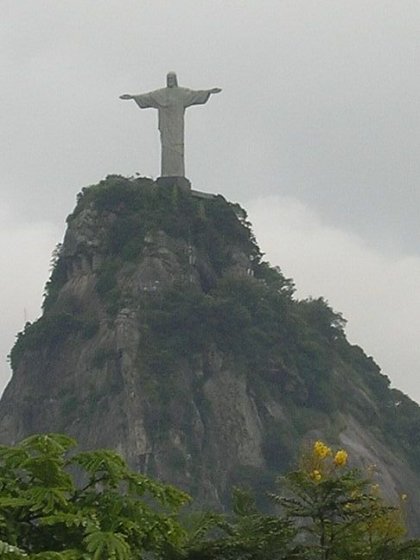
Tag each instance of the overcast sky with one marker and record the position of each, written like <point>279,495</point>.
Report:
<point>316,134</point>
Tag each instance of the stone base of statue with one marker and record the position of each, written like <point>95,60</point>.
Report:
<point>204,195</point>
<point>181,182</point>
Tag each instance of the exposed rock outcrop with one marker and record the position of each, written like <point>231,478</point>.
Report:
<point>166,337</point>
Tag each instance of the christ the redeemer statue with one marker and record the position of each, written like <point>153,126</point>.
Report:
<point>171,103</point>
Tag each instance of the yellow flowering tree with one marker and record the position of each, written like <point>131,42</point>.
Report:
<point>341,513</point>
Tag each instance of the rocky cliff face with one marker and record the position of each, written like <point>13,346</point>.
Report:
<point>166,337</point>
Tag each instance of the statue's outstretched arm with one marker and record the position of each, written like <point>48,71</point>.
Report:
<point>144,100</point>
<point>198,97</point>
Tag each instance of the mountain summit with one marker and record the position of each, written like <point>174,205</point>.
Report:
<point>166,336</point>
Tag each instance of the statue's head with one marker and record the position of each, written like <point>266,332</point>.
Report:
<point>171,79</point>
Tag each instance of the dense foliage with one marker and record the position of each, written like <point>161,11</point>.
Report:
<point>114,513</point>
<point>327,512</point>
<point>141,208</point>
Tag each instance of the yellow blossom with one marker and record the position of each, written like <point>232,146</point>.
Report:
<point>316,475</point>
<point>340,458</point>
<point>321,450</point>
<point>403,497</point>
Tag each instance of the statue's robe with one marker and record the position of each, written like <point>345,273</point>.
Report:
<point>171,103</point>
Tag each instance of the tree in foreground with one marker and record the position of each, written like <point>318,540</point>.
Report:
<point>114,514</point>
<point>327,512</point>
<point>340,514</point>
<point>244,534</point>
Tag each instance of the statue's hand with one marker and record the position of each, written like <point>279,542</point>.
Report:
<point>126,96</point>
<point>215,90</point>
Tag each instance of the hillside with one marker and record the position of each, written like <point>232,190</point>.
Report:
<point>166,336</point>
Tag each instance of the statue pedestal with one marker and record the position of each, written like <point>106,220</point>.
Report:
<point>181,182</point>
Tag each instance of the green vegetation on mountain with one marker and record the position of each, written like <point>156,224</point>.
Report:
<point>184,281</point>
